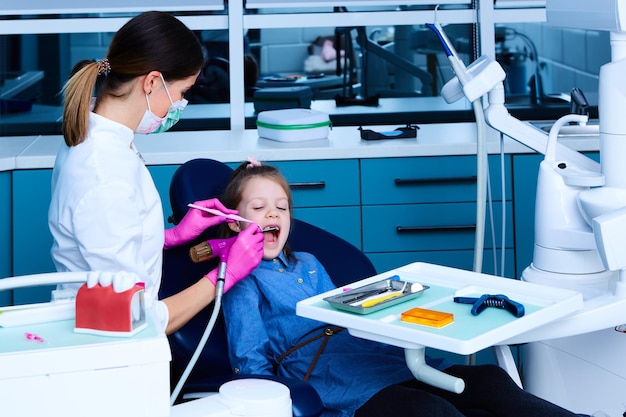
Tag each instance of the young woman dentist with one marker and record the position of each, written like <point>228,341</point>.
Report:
<point>105,213</point>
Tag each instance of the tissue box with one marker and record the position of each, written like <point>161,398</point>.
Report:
<point>293,125</point>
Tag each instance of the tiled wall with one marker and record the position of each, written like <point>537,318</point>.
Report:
<point>569,57</point>
<point>284,50</point>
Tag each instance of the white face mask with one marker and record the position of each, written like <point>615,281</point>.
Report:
<point>151,123</point>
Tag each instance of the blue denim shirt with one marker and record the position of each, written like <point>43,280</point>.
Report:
<point>261,324</point>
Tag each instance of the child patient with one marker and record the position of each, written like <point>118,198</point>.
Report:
<point>354,377</point>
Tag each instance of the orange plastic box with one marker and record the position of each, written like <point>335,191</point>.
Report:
<point>427,317</point>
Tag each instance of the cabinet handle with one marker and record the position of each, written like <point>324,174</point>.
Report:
<point>409,229</point>
<point>305,185</point>
<point>414,181</point>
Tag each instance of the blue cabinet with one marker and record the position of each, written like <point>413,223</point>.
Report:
<point>424,209</point>
<point>427,179</point>
<point>31,237</point>
<point>162,177</point>
<point>6,247</point>
<point>397,210</point>
<point>435,227</point>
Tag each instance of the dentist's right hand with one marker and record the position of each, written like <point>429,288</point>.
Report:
<point>245,255</point>
<point>195,222</point>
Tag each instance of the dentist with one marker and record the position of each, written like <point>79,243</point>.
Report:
<point>105,213</point>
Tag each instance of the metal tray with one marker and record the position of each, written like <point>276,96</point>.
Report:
<point>352,300</point>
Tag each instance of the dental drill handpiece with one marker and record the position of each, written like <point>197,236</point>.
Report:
<point>211,249</point>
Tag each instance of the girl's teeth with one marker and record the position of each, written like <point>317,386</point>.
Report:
<point>271,233</point>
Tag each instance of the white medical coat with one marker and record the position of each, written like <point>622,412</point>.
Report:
<point>105,213</point>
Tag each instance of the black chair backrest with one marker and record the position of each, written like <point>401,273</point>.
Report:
<point>195,180</point>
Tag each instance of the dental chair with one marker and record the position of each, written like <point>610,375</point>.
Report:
<point>200,179</point>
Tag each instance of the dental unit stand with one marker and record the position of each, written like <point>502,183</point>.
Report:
<point>463,84</point>
<point>580,229</point>
<point>585,371</point>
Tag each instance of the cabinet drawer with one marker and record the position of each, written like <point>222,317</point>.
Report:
<point>426,227</point>
<point>463,259</point>
<point>322,183</point>
<point>428,179</point>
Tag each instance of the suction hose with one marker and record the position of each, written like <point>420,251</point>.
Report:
<point>219,247</point>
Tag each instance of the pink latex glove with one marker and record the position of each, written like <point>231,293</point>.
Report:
<point>195,222</point>
<point>244,256</point>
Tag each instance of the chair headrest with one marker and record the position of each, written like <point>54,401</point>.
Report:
<point>195,180</point>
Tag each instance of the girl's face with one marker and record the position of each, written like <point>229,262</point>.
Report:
<point>265,202</point>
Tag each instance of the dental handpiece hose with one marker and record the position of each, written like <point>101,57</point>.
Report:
<point>481,152</point>
<point>221,279</point>
<point>221,248</point>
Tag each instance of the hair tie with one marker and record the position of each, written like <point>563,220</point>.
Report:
<point>252,163</point>
<point>103,66</point>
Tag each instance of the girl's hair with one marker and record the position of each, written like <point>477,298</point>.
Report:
<point>237,183</point>
<point>151,41</point>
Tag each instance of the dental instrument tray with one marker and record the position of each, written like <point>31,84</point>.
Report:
<point>376,296</point>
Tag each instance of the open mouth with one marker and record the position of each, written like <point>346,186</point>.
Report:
<point>271,233</point>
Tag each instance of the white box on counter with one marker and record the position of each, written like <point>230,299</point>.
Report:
<point>293,125</point>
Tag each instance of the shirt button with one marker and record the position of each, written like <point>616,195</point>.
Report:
<point>300,280</point>
<point>281,270</point>
<point>274,260</point>
<point>237,370</point>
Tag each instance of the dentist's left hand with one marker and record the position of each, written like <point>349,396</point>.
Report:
<point>195,222</point>
<point>121,281</point>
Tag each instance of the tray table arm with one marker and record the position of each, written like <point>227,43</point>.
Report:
<point>416,361</point>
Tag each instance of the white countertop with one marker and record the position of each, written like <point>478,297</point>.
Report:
<point>33,152</point>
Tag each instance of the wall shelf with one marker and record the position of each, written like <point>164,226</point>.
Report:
<point>259,4</point>
<point>45,7</point>
<point>346,19</point>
